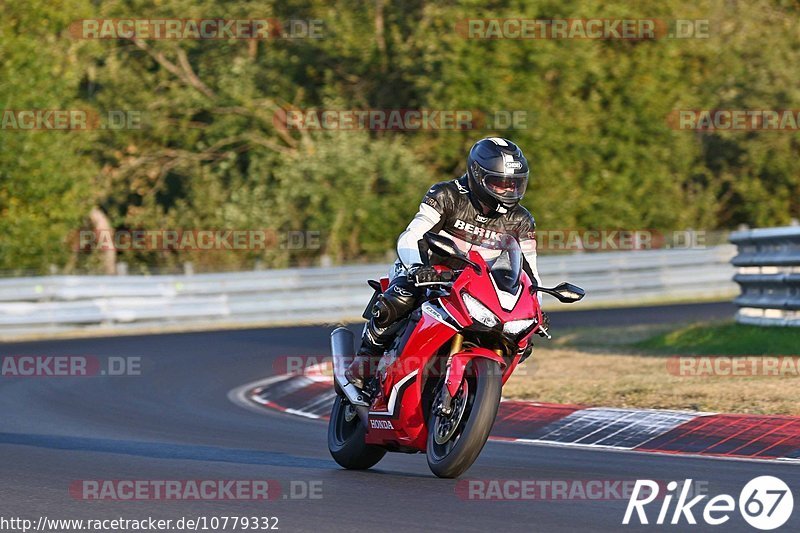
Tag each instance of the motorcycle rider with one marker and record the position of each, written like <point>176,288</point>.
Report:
<point>475,211</point>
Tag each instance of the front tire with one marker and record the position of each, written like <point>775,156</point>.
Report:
<point>475,406</point>
<point>346,438</point>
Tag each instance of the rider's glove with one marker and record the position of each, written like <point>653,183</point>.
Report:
<point>423,274</point>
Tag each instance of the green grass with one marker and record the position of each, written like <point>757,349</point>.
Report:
<point>726,339</point>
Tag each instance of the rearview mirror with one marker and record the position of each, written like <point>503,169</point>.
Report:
<point>568,293</point>
<point>442,245</point>
<point>447,248</point>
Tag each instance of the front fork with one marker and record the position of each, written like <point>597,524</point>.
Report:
<point>447,400</point>
<point>457,363</point>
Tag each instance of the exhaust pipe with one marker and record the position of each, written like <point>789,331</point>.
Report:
<point>342,352</point>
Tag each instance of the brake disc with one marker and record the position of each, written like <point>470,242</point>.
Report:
<point>446,425</point>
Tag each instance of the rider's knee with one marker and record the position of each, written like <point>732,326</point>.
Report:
<point>393,305</point>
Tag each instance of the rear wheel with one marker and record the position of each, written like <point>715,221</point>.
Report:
<point>456,439</point>
<point>346,438</point>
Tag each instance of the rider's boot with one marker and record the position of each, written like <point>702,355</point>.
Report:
<point>373,344</point>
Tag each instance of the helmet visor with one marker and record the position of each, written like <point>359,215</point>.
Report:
<point>506,187</point>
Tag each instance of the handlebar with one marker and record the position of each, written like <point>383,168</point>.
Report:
<point>432,283</point>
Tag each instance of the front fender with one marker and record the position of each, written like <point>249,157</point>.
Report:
<point>459,362</point>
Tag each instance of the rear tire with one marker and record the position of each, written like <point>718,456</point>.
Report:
<point>346,439</point>
<point>456,455</point>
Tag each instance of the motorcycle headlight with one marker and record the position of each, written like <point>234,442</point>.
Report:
<point>516,327</point>
<point>480,312</point>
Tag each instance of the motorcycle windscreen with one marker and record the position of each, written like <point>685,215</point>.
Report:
<point>506,268</point>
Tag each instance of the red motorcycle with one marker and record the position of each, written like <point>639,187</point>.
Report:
<point>437,388</point>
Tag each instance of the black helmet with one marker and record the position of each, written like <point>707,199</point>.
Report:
<point>497,173</point>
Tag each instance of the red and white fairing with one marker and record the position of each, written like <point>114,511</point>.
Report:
<point>396,414</point>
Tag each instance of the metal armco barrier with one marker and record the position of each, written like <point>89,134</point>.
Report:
<point>318,295</point>
<point>768,272</point>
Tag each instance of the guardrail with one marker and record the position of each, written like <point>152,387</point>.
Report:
<point>768,272</point>
<point>318,295</point>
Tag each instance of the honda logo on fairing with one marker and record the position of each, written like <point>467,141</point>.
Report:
<point>380,424</point>
<point>481,232</point>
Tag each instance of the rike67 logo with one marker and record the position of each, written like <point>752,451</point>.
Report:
<point>765,503</point>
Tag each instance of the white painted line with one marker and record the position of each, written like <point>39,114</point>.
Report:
<point>302,413</point>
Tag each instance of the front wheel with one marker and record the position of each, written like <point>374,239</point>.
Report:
<point>346,438</point>
<point>456,439</point>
